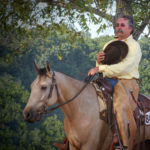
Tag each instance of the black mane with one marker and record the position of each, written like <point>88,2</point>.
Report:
<point>42,71</point>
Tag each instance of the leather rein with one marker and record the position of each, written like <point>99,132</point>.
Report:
<point>54,84</point>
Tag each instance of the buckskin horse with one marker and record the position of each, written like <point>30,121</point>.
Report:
<point>83,127</point>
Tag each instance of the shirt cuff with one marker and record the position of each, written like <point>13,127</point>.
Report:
<point>102,68</point>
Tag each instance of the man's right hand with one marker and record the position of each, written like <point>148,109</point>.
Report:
<point>100,56</point>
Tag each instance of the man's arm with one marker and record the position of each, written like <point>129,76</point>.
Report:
<point>125,66</point>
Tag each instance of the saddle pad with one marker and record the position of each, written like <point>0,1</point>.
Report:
<point>100,97</point>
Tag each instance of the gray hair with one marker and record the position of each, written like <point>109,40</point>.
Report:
<point>130,21</point>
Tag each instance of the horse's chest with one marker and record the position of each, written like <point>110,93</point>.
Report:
<point>73,137</point>
<point>72,134</point>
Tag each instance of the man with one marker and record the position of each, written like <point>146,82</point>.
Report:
<point>126,73</point>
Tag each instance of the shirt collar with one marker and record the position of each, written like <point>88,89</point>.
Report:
<point>130,37</point>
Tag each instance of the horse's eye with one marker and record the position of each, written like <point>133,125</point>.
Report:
<point>43,88</point>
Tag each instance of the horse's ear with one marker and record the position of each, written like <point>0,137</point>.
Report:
<point>36,67</point>
<point>48,66</point>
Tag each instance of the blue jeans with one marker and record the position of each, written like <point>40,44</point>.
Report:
<point>111,81</point>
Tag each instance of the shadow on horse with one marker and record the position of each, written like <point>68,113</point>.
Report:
<point>83,127</point>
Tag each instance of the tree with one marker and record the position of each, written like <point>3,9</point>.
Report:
<point>22,21</point>
<point>145,66</point>
<point>12,100</point>
<point>14,132</point>
<point>57,13</point>
<point>52,130</point>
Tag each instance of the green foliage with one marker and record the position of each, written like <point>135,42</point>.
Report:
<point>145,66</point>
<point>12,101</point>
<point>50,130</point>
<point>140,10</point>
<point>14,132</point>
<point>54,131</point>
<point>62,53</point>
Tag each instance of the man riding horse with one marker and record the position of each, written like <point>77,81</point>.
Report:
<point>123,76</point>
<point>84,128</point>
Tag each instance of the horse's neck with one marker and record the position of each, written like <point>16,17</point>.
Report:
<point>68,88</point>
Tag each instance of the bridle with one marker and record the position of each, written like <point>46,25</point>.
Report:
<point>54,84</point>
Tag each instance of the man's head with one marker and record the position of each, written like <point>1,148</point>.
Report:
<point>124,27</point>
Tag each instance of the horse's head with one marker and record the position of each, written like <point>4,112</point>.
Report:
<point>42,94</point>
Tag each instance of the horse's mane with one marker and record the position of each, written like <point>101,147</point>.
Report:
<point>69,76</point>
<point>42,72</point>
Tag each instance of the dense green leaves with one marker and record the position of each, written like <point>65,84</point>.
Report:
<point>145,66</point>
<point>12,101</point>
<point>14,132</point>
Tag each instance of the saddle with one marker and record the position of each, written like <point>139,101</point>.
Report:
<point>143,103</point>
<point>107,92</point>
<point>143,100</point>
<point>143,106</point>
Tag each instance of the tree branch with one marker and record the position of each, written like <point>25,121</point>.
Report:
<point>74,5</point>
<point>122,7</point>
<point>141,28</point>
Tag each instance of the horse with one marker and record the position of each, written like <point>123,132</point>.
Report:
<point>82,124</point>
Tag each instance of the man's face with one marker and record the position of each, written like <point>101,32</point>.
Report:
<point>123,29</point>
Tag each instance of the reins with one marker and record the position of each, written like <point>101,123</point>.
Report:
<point>54,84</point>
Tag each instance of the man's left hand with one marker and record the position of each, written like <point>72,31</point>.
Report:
<point>93,71</point>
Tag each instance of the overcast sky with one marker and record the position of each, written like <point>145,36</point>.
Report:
<point>93,31</point>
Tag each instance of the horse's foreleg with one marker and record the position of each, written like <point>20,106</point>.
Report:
<point>87,146</point>
<point>71,147</point>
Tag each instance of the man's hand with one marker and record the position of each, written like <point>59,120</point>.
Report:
<point>100,56</point>
<point>93,71</point>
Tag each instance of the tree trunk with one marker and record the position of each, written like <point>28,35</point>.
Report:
<point>140,29</point>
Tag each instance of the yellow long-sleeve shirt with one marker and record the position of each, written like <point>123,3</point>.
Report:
<point>128,67</point>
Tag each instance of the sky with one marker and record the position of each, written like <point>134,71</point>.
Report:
<point>93,30</point>
<point>94,34</point>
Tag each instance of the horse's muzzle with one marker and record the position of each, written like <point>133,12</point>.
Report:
<point>31,116</point>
